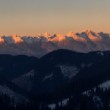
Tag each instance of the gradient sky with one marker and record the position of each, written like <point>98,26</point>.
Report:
<point>30,17</point>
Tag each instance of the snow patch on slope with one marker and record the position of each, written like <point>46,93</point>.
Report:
<point>48,77</point>
<point>13,95</point>
<point>69,71</point>
<point>25,81</point>
<point>60,103</point>
<point>105,85</point>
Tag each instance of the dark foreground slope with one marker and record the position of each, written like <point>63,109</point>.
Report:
<point>67,79</point>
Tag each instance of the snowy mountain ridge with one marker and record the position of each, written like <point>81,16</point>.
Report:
<point>42,44</point>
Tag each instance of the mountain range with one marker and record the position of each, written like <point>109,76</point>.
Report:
<point>85,41</point>
<point>55,72</point>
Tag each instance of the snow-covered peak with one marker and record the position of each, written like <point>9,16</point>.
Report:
<point>17,39</point>
<point>70,33</point>
<point>59,37</point>
<point>46,34</point>
<point>76,37</point>
<point>93,36</point>
<point>87,31</point>
<point>13,39</point>
<point>8,39</point>
<point>1,39</point>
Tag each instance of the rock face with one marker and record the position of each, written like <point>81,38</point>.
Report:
<point>42,44</point>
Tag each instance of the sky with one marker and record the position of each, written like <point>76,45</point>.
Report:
<point>31,17</point>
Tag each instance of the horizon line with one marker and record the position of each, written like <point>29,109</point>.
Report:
<point>52,33</point>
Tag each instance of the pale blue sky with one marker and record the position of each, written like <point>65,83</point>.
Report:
<point>30,17</point>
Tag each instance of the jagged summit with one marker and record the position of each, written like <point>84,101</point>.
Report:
<point>1,39</point>
<point>87,31</point>
<point>71,33</point>
<point>46,34</point>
